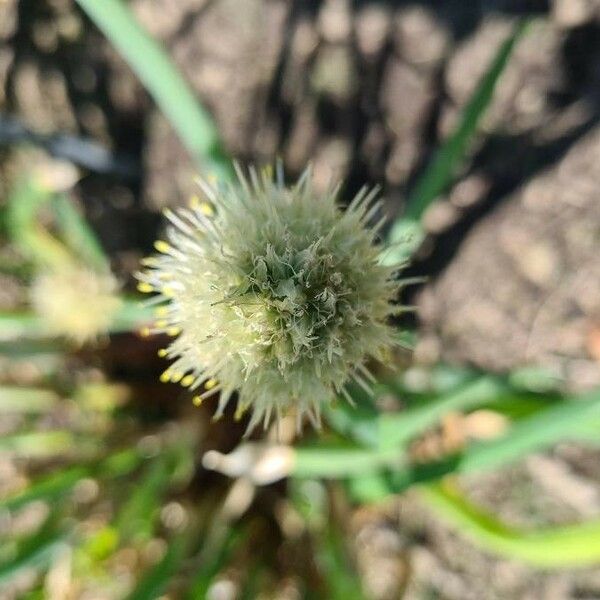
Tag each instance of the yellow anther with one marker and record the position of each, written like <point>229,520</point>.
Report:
<point>206,209</point>
<point>211,178</point>
<point>161,324</point>
<point>162,246</point>
<point>165,376</point>
<point>161,311</point>
<point>196,401</point>
<point>173,331</point>
<point>167,291</point>
<point>210,383</point>
<point>149,261</point>
<point>239,412</point>
<point>162,352</point>
<point>177,375</point>
<point>145,332</point>
<point>145,287</point>
<point>188,380</point>
<point>268,171</point>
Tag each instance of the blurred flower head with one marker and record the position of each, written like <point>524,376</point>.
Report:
<point>272,291</point>
<point>75,302</point>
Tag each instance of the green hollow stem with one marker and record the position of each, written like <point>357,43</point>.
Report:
<point>575,545</point>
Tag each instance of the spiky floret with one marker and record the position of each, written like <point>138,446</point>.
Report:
<point>75,302</point>
<point>272,291</point>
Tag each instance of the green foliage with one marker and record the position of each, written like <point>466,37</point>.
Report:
<point>154,582</point>
<point>373,473</point>
<point>130,315</point>
<point>566,546</point>
<point>334,564</point>
<point>147,58</point>
<point>77,233</point>
<point>26,199</point>
<point>137,518</point>
<point>398,428</point>
<point>48,488</point>
<point>74,247</point>
<point>29,197</point>
<point>37,444</point>
<point>563,421</point>
<point>52,487</point>
<point>406,234</point>
<point>37,551</point>
<point>553,422</point>
<point>26,400</point>
<point>212,564</point>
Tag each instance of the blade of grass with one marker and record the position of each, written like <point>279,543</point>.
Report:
<point>358,421</point>
<point>214,563</point>
<point>77,234</point>
<point>398,428</point>
<point>461,392</point>
<point>49,487</point>
<point>156,71</point>
<point>39,555</point>
<point>565,546</point>
<point>255,581</point>
<point>394,430</point>
<point>19,325</point>
<point>38,444</point>
<point>522,405</point>
<point>536,379</point>
<point>40,350</point>
<point>334,563</point>
<point>562,421</point>
<point>52,487</point>
<point>368,488</point>
<point>558,422</point>
<point>156,580</point>
<point>137,518</point>
<point>100,544</point>
<point>449,157</point>
<point>118,464</point>
<point>24,201</point>
<point>37,551</point>
<point>342,461</point>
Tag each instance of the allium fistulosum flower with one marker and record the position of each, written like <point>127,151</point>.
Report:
<point>75,301</point>
<point>273,292</point>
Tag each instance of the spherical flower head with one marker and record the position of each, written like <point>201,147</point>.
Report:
<point>273,292</point>
<point>75,302</point>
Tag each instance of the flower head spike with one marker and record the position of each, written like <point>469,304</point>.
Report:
<point>271,291</point>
